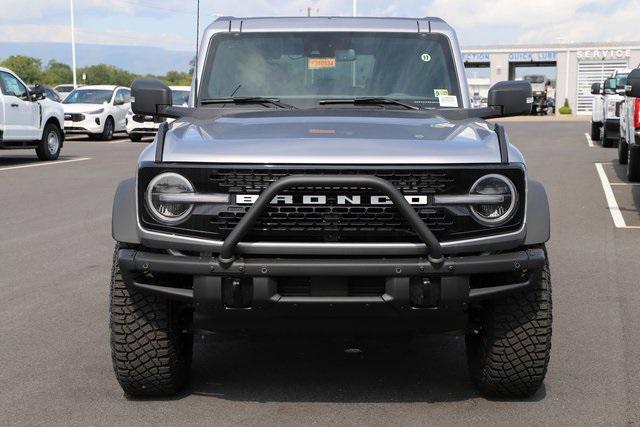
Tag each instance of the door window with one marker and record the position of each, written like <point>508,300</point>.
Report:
<point>119,97</point>
<point>12,86</point>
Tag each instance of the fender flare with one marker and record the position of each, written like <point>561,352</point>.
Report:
<point>538,216</point>
<point>124,218</point>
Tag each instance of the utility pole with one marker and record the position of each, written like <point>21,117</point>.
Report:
<point>73,48</point>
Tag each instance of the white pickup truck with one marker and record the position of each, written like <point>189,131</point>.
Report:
<point>28,119</point>
<point>629,140</point>
<point>605,108</point>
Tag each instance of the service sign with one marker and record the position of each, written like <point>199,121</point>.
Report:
<point>603,54</point>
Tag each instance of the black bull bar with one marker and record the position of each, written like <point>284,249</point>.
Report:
<point>227,252</point>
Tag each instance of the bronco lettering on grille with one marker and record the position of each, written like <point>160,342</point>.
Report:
<point>319,199</point>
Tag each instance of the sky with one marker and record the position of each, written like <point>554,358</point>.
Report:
<point>170,24</point>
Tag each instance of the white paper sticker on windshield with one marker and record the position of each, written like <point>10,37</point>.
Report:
<point>448,100</point>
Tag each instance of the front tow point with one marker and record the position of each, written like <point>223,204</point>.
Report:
<point>437,262</point>
<point>226,262</point>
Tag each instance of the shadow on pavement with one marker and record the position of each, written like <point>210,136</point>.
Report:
<point>427,369</point>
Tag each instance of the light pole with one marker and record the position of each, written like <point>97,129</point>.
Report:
<point>73,47</point>
<point>355,7</point>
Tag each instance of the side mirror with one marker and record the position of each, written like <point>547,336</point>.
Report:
<point>513,97</point>
<point>595,89</point>
<point>118,102</point>
<point>633,84</point>
<point>38,93</point>
<point>148,96</point>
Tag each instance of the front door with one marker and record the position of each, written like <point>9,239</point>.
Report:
<point>21,113</point>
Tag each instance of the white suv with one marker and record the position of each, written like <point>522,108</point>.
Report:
<point>139,126</point>
<point>28,119</point>
<point>97,111</point>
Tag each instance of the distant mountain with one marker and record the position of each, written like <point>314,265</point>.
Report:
<point>137,59</point>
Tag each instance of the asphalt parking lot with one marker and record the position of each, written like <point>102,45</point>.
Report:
<point>55,256</point>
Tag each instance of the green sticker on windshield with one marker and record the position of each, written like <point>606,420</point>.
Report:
<point>425,57</point>
<point>440,92</point>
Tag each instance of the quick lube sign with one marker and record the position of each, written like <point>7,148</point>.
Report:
<point>532,56</point>
<point>603,54</point>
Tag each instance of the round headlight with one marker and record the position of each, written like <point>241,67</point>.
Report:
<point>496,213</point>
<point>163,208</point>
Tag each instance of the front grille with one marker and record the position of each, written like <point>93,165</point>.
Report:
<point>331,222</point>
<point>248,181</point>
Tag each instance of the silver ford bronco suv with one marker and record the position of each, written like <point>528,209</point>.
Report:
<point>329,176</point>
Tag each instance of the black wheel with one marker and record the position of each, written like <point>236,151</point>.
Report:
<point>623,151</point>
<point>633,165</point>
<point>508,352</point>
<point>50,144</point>
<point>150,353</point>
<point>107,130</point>
<point>595,131</point>
<point>134,137</point>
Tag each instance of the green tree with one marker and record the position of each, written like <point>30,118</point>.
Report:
<point>57,73</point>
<point>106,74</point>
<point>177,78</point>
<point>29,69</point>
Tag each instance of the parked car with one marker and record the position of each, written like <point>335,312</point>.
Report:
<point>64,90</point>
<point>49,92</point>
<point>97,111</point>
<point>629,139</point>
<point>292,194</point>
<point>605,121</point>
<point>28,120</point>
<point>140,126</point>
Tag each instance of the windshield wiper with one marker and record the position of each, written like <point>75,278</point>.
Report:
<point>368,101</point>
<point>246,100</point>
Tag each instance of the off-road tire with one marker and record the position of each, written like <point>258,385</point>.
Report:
<point>633,166</point>
<point>595,131</point>
<point>150,353</point>
<point>509,353</point>
<point>134,137</point>
<point>107,130</point>
<point>623,151</point>
<point>43,150</point>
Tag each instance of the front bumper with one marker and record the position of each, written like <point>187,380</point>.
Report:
<point>416,292</point>
<point>143,128</point>
<point>88,125</point>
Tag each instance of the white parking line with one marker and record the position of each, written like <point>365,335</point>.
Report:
<point>625,183</point>
<point>589,140</point>
<point>618,220</point>
<point>34,165</point>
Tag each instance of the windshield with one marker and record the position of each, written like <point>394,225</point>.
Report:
<point>304,68</point>
<point>534,79</point>
<point>89,96</point>
<point>180,97</point>
<point>621,80</point>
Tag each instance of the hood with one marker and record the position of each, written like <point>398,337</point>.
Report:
<point>81,108</point>
<point>331,136</point>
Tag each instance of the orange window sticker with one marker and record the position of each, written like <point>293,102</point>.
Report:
<point>318,63</point>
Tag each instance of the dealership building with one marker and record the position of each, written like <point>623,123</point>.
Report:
<point>572,68</point>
